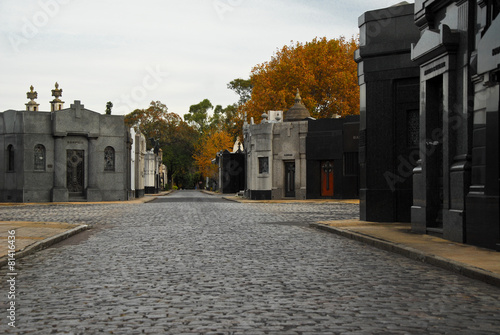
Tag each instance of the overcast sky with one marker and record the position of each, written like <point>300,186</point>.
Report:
<point>131,52</point>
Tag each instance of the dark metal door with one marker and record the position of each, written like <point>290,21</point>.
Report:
<point>327,179</point>
<point>289,179</point>
<point>75,174</point>
<point>434,152</point>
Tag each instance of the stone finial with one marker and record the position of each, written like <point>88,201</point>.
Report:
<point>32,94</point>
<point>32,106</point>
<point>56,104</point>
<point>264,117</point>
<point>57,92</point>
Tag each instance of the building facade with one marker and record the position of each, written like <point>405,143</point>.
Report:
<point>301,158</point>
<point>454,167</point>
<point>155,172</point>
<point>389,113</point>
<point>231,171</point>
<point>67,154</point>
<point>482,202</point>
<point>137,169</point>
<point>332,150</point>
<point>276,154</point>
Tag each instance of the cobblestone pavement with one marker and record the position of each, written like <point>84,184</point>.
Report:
<point>195,264</point>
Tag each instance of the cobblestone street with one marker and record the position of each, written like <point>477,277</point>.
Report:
<point>191,263</point>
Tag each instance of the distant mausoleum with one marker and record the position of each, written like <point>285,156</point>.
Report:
<point>155,172</point>
<point>296,157</point>
<point>66,154</point>
<point>332,150</point>
<point>231,170</point>
<point>137,157</point>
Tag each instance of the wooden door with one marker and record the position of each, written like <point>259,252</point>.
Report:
<point>327,179</point>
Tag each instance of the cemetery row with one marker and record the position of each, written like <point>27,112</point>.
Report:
<point>424,149</point>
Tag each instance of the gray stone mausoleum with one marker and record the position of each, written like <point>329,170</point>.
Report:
<point>66,154</point>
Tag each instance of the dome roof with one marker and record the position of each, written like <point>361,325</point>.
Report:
<point>298,112</point>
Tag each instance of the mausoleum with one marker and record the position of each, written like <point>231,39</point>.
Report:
<point>297,157</point>
<point>276,154</point>
<point>438,127</point>
<point>231,170</point>
<point>389,113</point>
<point>65,154</point>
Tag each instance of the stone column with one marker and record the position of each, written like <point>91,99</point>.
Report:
<point>60,191</point>
<point>93,192</point>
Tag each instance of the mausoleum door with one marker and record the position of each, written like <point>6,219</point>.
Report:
<point>75,172</point>
<point>327,179</point>
<point>434,151</point>
<point>290,179</point>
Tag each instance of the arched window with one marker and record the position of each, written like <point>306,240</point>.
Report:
<point>10,158</point>
<point>109,159</point>
<point>39,158</point>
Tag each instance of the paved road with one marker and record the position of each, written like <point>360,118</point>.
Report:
<point>191,263</point>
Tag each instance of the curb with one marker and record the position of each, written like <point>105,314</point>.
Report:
<point>233,200</point>
<point>447,264</point>
<point>44,244</point>
<point>228,198</point>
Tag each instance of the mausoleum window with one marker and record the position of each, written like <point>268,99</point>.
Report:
<point>109,159</point>
<point>39,157</point>
<point>263,165</point>
<point>10,158</point>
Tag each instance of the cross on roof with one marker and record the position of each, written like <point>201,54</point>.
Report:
<point>77,106</point>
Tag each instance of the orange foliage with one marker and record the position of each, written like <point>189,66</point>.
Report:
<point>207,149</point>
<point>324,71</point>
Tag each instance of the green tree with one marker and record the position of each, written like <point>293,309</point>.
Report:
<point>178,153</point>
<point>242,87</point>
<point>176,138</point>
<point>198,115</point>
<point>152,122</point>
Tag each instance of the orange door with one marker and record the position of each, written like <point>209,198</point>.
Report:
<point>327,179</point>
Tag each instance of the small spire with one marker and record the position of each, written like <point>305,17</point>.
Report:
<point>297,97</point>
<point>297,112</point>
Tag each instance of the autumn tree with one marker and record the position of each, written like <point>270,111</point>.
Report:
<point>324,71</point>
<point>208,147</point>
<point>217,131</point>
